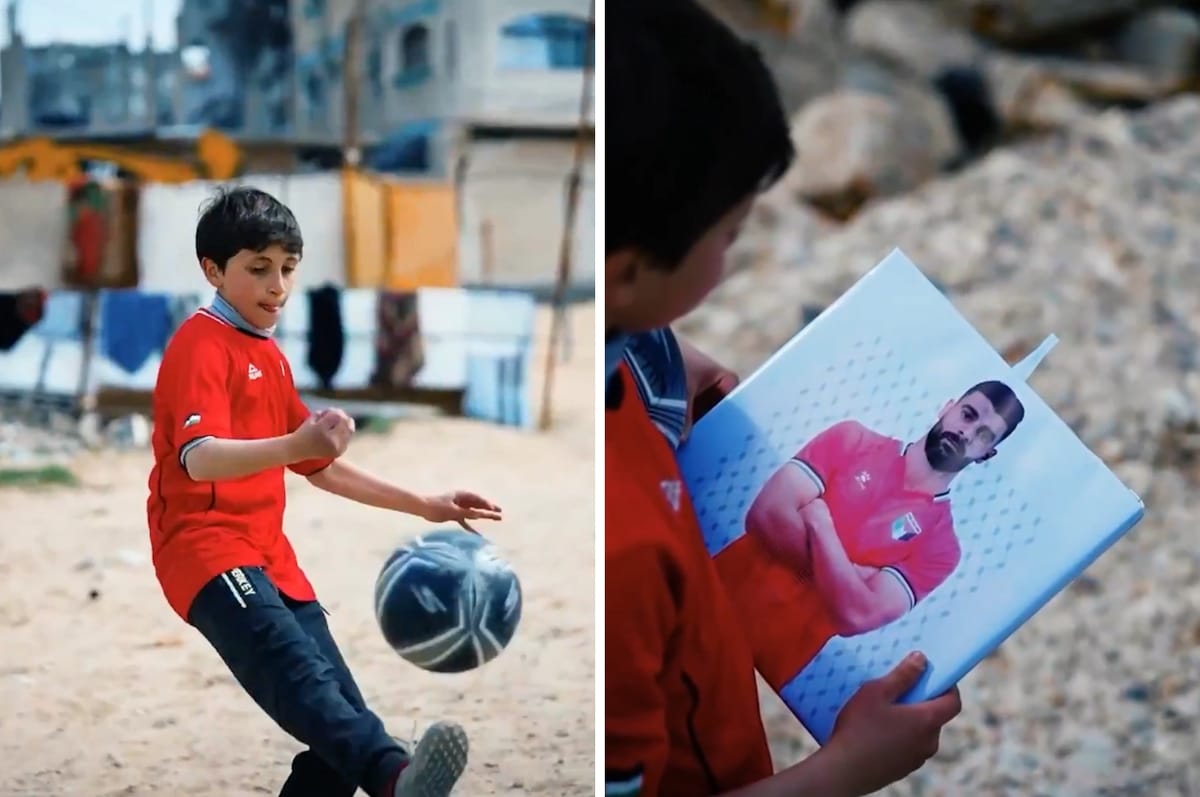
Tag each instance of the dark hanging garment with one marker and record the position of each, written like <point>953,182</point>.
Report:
<point>399,350</point>
<point>326,335</point>
<point>19,311</point>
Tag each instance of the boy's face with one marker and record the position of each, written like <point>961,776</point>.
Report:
<point>639,297</point>
<point>257,284</point>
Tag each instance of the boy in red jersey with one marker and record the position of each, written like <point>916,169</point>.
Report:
<point>227,421</point>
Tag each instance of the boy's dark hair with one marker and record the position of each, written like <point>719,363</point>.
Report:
<point>245,218</point>
<point>693,125</point>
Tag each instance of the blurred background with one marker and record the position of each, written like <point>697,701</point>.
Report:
<point>1040,160</point>
<point>438,155</point>
<point>433,148</point>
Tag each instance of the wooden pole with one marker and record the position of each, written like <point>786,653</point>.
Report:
<point>351,78</point>
<point>558,323</point>
<point>487,242</point>
<point>350,138</point>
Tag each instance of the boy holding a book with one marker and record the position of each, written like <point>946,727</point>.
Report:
<point>695,131</point>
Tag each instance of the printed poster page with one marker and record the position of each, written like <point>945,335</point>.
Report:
<point>886,483</point>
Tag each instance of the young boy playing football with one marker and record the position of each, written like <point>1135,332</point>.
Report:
<point>693,132</point>
<point>227,422</point>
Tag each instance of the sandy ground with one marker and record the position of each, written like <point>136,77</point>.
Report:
<point>115,695</point>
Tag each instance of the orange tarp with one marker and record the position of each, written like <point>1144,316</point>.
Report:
<point>365,205</point>
<point>399,236</point>
<point>422,235</point>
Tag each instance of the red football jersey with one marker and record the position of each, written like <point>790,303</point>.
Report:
<point>907,534</point>
<point>681,712</point>
<point>217,381</point>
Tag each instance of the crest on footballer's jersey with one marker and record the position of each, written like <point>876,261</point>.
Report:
<point>905,527</point>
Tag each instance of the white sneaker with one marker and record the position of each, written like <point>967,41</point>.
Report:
<point>436,763</point>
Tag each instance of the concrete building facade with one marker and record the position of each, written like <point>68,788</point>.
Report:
<point>65,88</point>
<point>487,93</point>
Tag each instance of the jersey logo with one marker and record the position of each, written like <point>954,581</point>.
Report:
<point>862,477</point>
<point>673,491</point>
<point>192,420</point>
<point>254,372</point>
<point>906,527</point>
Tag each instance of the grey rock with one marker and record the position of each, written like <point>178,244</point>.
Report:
<point>1020,21</point>
<point>1138,692</point>
<point>854,145</point>
<point>806,57</point>
<point>1165,41</point>
<point>1109,82</point>
<point>1027,97</point>
<point>910,34</point>
<point>781,224</point>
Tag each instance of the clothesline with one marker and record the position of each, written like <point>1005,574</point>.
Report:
<point>474,341</point>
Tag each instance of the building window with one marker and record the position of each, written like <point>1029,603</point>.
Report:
<point>333,50</point>
<point>375,68</point>
<point>314,93</point>
<point>451,47</point>
<point>197,61</point>
<point>546,41</point>
<point>415,65</point>
<point>409,149</point>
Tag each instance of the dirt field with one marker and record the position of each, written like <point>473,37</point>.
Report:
<point>116,696</point>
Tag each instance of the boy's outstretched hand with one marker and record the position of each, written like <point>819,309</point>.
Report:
<point>460,506</point>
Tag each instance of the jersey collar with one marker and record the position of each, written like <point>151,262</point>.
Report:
<point>224,310</point>
<point>614,350</point>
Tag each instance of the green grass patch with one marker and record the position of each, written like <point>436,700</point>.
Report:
<point>376,425</point>
<point>47,476</point>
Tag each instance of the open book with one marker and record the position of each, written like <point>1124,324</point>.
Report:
<point>886,482</point>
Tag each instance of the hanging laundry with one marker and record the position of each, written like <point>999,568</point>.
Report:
<point>133,326</point>
<point>399,349</point>
<point>88,208</point>
<point>326,334</point>
<point>183,305</point>
<point>19,311</point>
<point>63,317</point>
<point>497,389</point>
<point>512,384</point>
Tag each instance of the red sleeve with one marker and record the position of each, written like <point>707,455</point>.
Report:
<point>640,616</point>
<point>930,563</point>
<point>829,450</point>
<point>297,413</point>
<point>194,380</point>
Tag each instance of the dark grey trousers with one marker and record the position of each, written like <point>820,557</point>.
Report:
<point>281,652</point>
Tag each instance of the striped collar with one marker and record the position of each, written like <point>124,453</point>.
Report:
<point>223,310</point>
<point>614,349</point>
